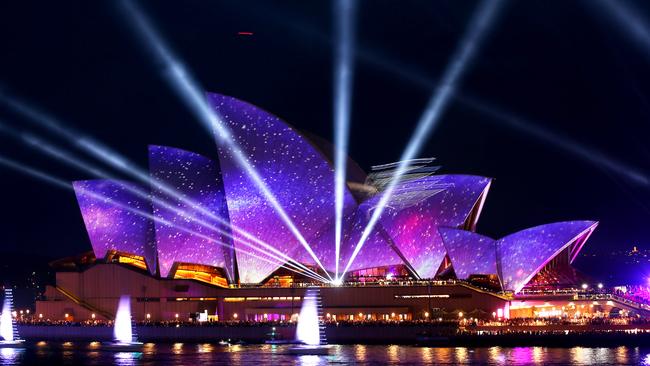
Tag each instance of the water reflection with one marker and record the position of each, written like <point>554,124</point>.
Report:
<point>522,355</point>
<point>460,354</point>
<point>496,355</point>
<point>443,354</point>
<point>204,348</point>
<point>538,355</point>
<point>177,348</point>
<point>127,358</point>
<point>191,354</point>
<point>621,355</point>
<point>646,359</point>
<point>311,360</point>
<point>11,356</point>
<point>426,354</point>
<point>149,348</point>
<point>591,356</point>
<point>393,353</point>
<point>360,352</point>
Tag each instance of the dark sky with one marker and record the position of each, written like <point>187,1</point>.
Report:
<point>562,65</point>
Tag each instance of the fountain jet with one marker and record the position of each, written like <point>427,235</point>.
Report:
<point>8,329</point>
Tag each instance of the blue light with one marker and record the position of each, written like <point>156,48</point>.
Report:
<point>189,90</point>
<point>477,29</point>
<point>344,62</point>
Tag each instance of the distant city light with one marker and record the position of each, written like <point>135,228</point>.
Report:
<point>600,285</point>
<point>585,286</point>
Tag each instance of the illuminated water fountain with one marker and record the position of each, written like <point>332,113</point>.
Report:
<point>310,332</point>
<point>123,335</point>
<point>8,329</point>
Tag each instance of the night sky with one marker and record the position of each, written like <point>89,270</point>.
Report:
<point>567,67</point>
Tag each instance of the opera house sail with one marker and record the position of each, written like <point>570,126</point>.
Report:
<point>204,213</point>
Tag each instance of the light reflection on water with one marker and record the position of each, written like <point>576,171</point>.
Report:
<point>460,355</point>
<point>393,355</point>
<point>190,354</point>
<point>360,352</point>
<point>426,354</point>
<point>127,358</point>
<point>11,356</point>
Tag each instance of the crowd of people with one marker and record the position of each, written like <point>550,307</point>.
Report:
<point>438,322</point>
<point>638,293</point>
<point>585,320</point>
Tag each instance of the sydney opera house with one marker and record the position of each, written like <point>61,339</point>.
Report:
<point>204,241</point>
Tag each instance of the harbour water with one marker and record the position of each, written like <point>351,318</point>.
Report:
<point>179,354</point>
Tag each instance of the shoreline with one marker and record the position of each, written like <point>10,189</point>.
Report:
<point>405,335</point>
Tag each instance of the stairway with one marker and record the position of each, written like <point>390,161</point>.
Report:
<point>134,330</point>
<point>321,321</point>
<point>84,304</point>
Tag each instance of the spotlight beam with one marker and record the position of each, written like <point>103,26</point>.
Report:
<point>344,14</point>
<point>188,89</point>
<point>629,20</point>
<point>67,158</point>
<point>478,28</point>
<point>585,153</point>
<point>60,183</point>
<point>498,115</point>
<point>420,79</point>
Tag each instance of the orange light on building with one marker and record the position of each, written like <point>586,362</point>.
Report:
<point>235,315</point>
<point>176,315</point>
<point>148,316</point>
<point>92,315</point>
